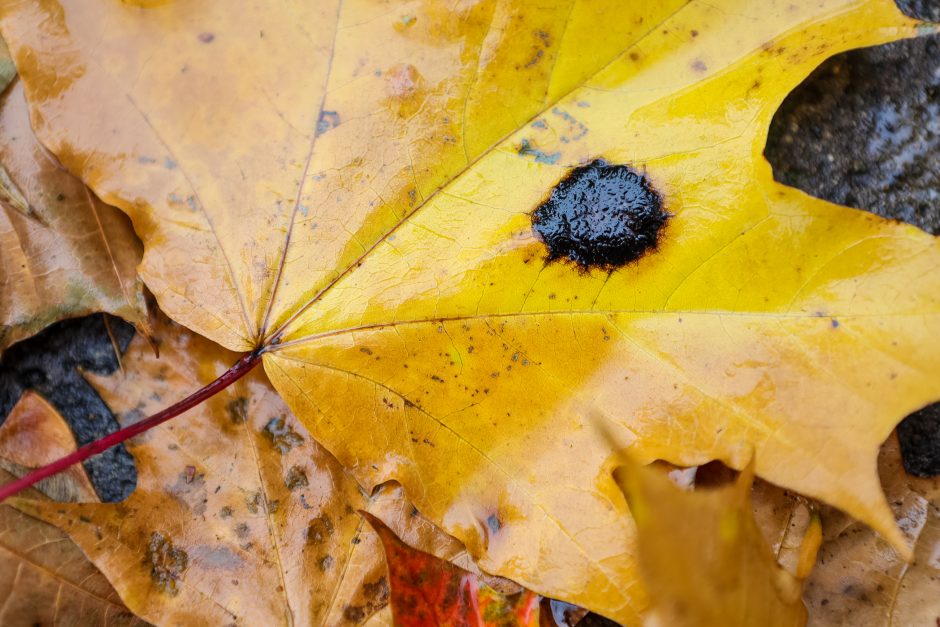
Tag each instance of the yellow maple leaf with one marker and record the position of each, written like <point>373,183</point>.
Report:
<point>354,189</point>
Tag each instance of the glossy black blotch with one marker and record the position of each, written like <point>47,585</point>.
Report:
<point>601,216</point>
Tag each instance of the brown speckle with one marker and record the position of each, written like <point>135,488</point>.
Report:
<point>167,562</point>
<point>296,478</point>
<point>319,530</point>
<point>282,435</point>
<point>237,410</point>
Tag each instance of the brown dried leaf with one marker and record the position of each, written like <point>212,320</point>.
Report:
<point>35,434</point>
<point>46,580</point>
<point>859,580</point>
<point>63,252</point>
<point>44,577</point>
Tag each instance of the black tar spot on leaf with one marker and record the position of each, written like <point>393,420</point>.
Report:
<point>601,216</point>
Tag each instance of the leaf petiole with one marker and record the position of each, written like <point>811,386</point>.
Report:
<point>242,367</point>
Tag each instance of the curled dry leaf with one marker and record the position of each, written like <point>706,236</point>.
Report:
<point>703,556</point>
<point>859,580</point>
<point>63,253</point>
<point>238,516</point>
<point>368,193</point>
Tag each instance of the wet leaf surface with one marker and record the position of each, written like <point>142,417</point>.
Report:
<point>238,516</point>
<point>373,225</point>
<point>63,253</point>
<point>859,580</point>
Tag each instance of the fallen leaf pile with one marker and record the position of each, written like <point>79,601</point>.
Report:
<point>481,250</point>
<point>238,516</point>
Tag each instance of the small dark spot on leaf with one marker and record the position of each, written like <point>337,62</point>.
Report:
<point>253,502</point>
<point>282,435</point>
<point>325,563</point>
<point>376,592</point>
<point>167,563</point>
<point>206,38</point>
<point>354,613</point>
<point>699,66</point>
<point>600,216</point>
<point>526,149</point>
<point>237,410</point>
<point>328,120</point>
<point>296,478</point>
<point>319,530</point>
<point>242,531</point>
<point>493,523</point>
<point>225,512</point>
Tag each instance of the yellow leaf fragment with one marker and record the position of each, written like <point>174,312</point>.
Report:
<point>352,186</point>
<point>703,557</point>
<point>63,253</point>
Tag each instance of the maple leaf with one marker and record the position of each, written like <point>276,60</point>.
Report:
<point>372,199</point>
<point>63,253</point>
<point>238,514</point>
